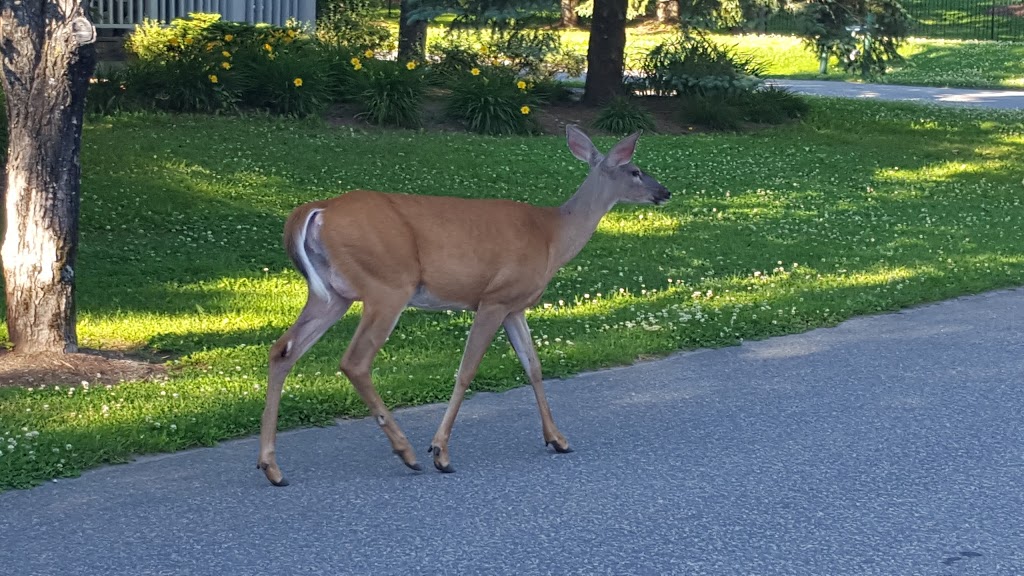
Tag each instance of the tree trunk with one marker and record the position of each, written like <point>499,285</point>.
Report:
<point>47,60</point>
<point>569,19</point>
<point>668,11</point>
<point>412,35</point>
<point>605,52</point>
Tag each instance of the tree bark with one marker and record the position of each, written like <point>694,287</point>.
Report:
<point>412,35</point>
<point>605,52</point>
<point>46,71</point>
<point>569,19</point>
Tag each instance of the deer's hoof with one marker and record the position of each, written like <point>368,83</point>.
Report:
<point>411,464</point>
<point>446,467</point>
<point>560,447</point>
<point>273,473</point>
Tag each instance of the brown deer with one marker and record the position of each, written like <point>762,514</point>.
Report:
<point>392,251</point>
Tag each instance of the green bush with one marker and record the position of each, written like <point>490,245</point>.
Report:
<point>202,33</point>
<point>771,105</point>
<point>186,84</point>
<point>710,112</point>
<point>493,101</point>
<point>201,64</point>
<point>291,80</point>
<point>350,24</point>
<point>390,92</point>
<point>109,94</point>
<point>623,116</point>
<point>564,60</point>
<point>453,56</point>
<point>694,65</point>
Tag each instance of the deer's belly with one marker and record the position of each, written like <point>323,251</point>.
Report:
<point>424,300</point>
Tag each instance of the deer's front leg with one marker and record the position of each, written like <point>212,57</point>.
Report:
<point>519,335</point>
<point>481,334</point>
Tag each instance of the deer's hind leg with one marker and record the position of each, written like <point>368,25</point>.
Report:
<point>316,318</point>
<point>380,314</point>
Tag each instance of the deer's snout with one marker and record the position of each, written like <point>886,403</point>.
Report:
<point>661,195</point>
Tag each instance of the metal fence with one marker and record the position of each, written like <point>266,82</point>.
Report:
<point>960,19</point>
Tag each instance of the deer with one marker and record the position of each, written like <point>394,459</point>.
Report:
<point>394,251</point>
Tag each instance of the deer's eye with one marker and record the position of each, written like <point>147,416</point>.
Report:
<point>635,173</point>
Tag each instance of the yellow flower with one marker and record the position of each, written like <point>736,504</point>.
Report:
<point>210,46</point>
<point>354,61</point>
<point>226,54</point>
<point>297,82</point>
<point>188,41</point>
<point>521,85</point>
<point>173,41</point>
<point>525,110</point>
<point>358,66</point>
<point>410,65</point>
<point>368,53</point>
<point>225,65</point>
<point>213,78</point>
<point>475,71</point>
<point>291,33</point>
<point>483,49</point>
<point>229,37</point>
<point>268,47</point>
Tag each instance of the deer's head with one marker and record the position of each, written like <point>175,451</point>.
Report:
<point>615,172</point>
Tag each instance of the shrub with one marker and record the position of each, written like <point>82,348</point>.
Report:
<point>201,64</point>
<point>711,112</point>
<point>623,116</point>
<point>350,24</point>
<point>523,48</point>
<point>203,33</point>
<point>187,84</point>
<point>771,105</point>
<point>109,94</point>
<point>390,92</point>
<point>564,60</point>
<point>453,56</point>
<point>290,80</point>
<point>694,65</point>
<point>493,101</point>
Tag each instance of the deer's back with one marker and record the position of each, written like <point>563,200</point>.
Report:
<point>451,249</point>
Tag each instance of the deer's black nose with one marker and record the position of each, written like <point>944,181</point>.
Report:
<point>661,196</point>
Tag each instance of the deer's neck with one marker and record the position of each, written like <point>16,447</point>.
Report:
<point>579,217</point>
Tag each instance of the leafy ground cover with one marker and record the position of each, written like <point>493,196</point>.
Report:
<point>864,207</point>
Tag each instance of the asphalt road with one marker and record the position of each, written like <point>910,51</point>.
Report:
<point>889,445</point>
<point>1005,99</point>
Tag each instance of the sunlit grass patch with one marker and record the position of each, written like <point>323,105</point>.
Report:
<point>861,208</point>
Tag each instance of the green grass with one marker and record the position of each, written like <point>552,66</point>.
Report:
<point>865,207</point>
<point>946,63</point>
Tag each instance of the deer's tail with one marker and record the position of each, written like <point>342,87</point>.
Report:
<point>301,240</point>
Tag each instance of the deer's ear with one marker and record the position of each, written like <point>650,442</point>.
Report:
<point>581,146</point>
<point>622,152</point>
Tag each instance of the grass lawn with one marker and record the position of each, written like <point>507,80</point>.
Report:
<point>864,207</point>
